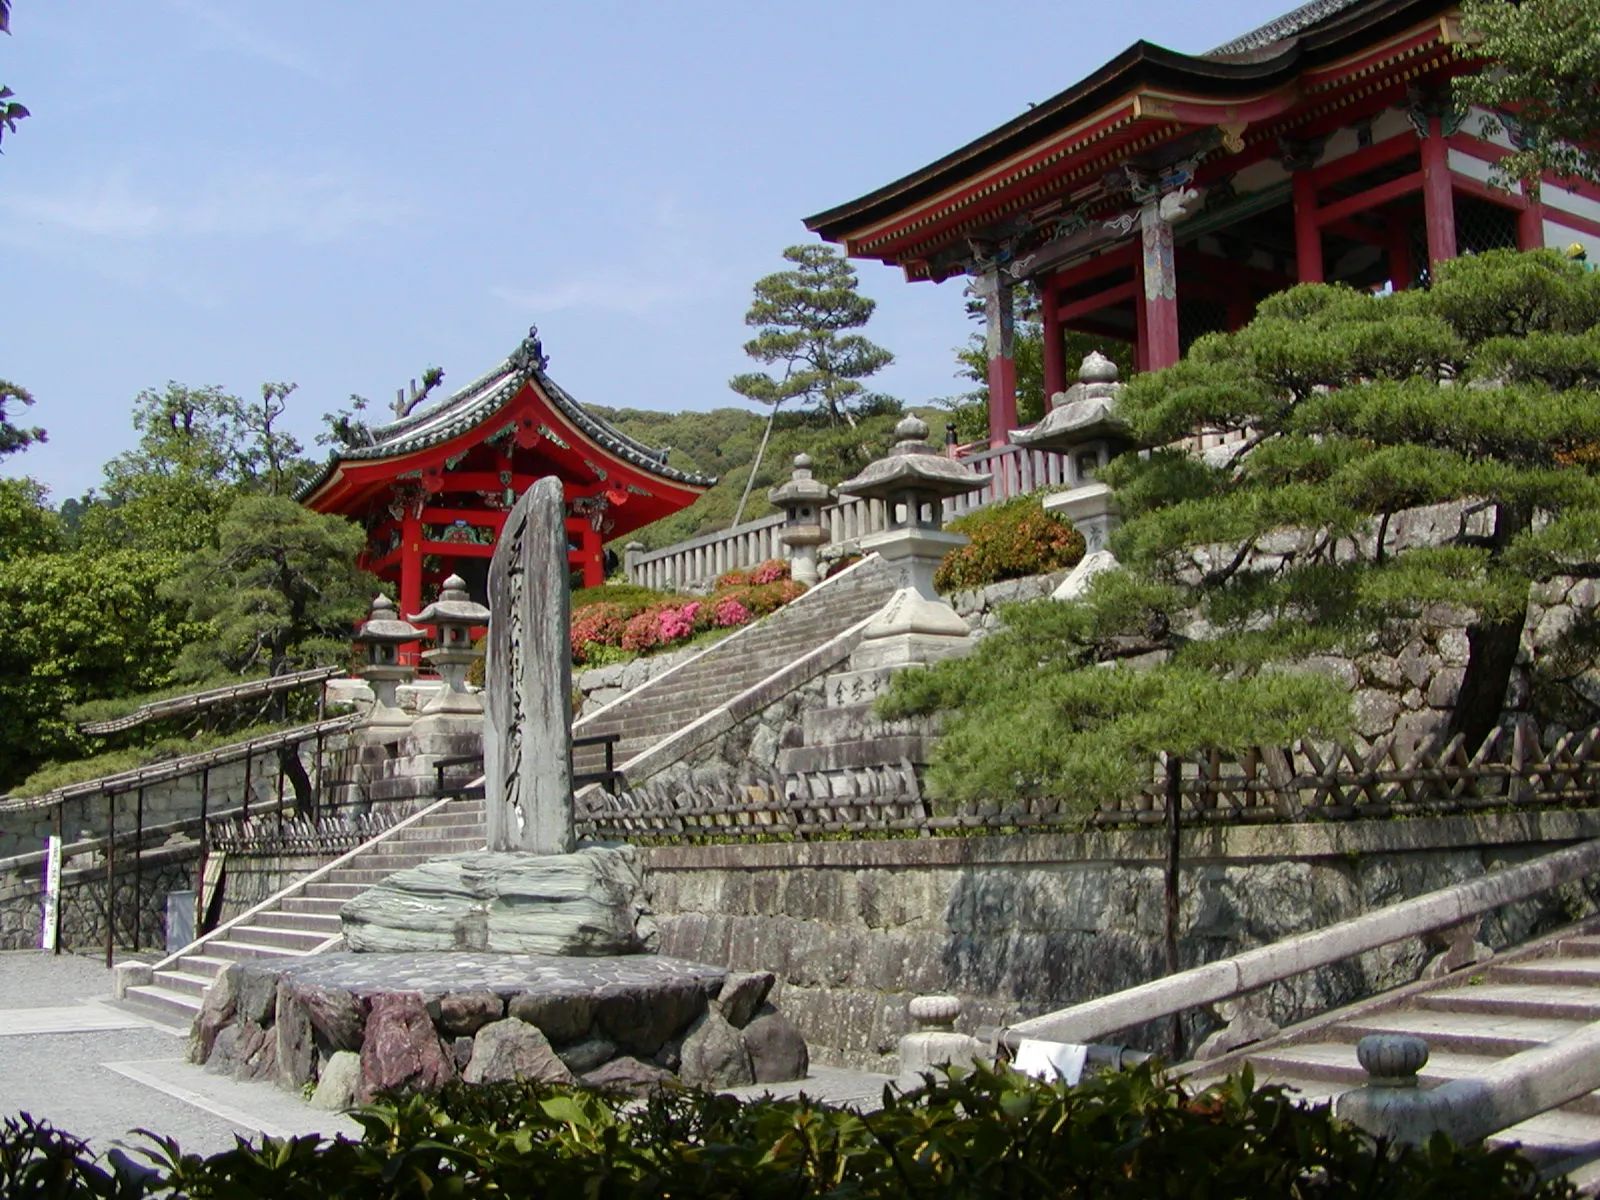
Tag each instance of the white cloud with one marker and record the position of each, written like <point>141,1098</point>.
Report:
<point>317,206</point>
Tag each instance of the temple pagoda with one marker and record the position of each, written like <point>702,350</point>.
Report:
<point>1164,195</point>
<point>433,488</point>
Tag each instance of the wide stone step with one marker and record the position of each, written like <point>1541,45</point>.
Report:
<point>242,950</point>
<point>324,924</point>
<point>166,1001</point>
<point>183,983</point>
<point>312,905</point>
<point>1584,946</point>
<point>1553,1137</point>
<point>1467,1033</point>
<point>366,876</point>
<point>1568,1002</point>
<point>206,965</point>
<point>1550,971</point>
<point>276,935</point>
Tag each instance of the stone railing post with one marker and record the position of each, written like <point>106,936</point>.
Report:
<point>934,1043</point>
<point>1390,1104</point>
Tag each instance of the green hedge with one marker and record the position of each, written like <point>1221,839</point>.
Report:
<point>981,1135</point>
<point>1010,540</point>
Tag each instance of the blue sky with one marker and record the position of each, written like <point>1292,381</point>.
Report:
<point>342,192</point>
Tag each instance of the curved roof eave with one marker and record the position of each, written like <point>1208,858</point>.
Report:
<point>1142,64</point>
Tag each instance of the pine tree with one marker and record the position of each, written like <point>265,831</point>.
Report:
<point>802,315</point>
<point>1483,391</point>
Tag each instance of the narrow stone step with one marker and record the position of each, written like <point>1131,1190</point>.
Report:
<point>243,950</point>
<point>1568,1002</point>
<point>1497,1034</point>
<point>1334,1063</point>
<point>323,924</point>
<point>1584,946</point>
<point>1552,1137</point>
<point>165,1000</point>
<point>313,905</point>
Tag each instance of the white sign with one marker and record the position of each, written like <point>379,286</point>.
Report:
<point>52,894</point>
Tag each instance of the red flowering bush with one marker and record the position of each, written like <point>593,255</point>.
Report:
<point>770,571</point>
<point>731,579</point>
<point>597,625</point>
<point>728,612</point>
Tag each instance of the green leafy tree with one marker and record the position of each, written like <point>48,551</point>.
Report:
<point>74,627</point>
<point>280,590</point>
<point>14,437</point>
<point>10,110</point>
<point>27,525</point>
<point>1542,58</point>
<point>803,316</point>
<point>1481,392</point>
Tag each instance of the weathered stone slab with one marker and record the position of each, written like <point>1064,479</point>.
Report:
<point>589,903</point>
<point>527,744</point>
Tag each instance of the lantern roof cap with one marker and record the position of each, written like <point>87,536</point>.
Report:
<point>913,465</point>
<point>384,626</point>
<point>453,605</point>
<point>801,488</point>
<point>1086,412</point>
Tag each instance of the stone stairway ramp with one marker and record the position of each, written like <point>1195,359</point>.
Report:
<point>1471,1020</point>
<point>303,918</point>
<point>707,683</point>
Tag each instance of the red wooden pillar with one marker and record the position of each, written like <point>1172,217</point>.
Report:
<point>1530,221</point>
<point>1307,233</point>
<point>1402,271</point>
<point>1055,349</point>
<point>410,577</point>
<point>594,564</point>
<point>1157,297</point>
<point>999,318</point>
<point>1438,201</point>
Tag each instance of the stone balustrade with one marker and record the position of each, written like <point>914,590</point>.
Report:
<point>694,564</point>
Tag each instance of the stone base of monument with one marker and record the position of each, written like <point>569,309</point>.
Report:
<point>358,1024</point>
<point>588,903</point>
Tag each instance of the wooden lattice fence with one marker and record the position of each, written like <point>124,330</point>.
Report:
<point>1306,781</point>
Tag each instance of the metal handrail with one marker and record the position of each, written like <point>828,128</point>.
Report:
<point>195,701</point>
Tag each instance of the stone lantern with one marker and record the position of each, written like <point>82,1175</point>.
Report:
<point>454,615</point>
<point>913,480</point>
<point>383,633</point>
<point>802,500</point>
<point>1083,423</point>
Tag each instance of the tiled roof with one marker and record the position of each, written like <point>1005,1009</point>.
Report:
<point>1282,27</point>
<point>479,401</point>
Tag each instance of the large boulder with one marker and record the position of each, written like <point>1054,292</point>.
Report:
<point>627,1075</point>
<point>642,1018</point>
<point>216,1013</point>
<point>714,1055</point>
<point>336,1016</point>
<point>462,1014</point>
<point>742,995</point>
<point>513,1049</point>
<point>401,1048</point>
<point>561,1015</point>
<point>777,1051</point>
<point>341,1079</point>
<point>296,1044</point>
<point>588,903</point>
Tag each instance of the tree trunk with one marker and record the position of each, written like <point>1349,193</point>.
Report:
<point>295,772</point>
<point>1491,655</point>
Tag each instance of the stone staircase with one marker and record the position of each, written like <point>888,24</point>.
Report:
<point>304,918</point>
<point>708,681</point>
<point>1470,1020</point>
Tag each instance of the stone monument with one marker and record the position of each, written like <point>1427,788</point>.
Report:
<point>527,740</point>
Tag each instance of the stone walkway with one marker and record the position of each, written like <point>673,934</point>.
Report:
<point>99,1071</point>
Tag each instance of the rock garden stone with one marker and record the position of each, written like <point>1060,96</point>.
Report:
<point>461,1052</point>
<point>462,1014</point>
<point>258,993</point>
<point>401,1049</point>
<point>583,1057</point>
<point>335,1014</point>
<point>562,1016</point>
<point>741,996</point>
<point>513,1049</point>
<point>627,1074</point>
<point>777,1051</point>
<point>714,1055</point>
<point>588,903</point>
<point>217,1011</point>
<point>341,1077</point>
<point>641,1020</point>
<point>296,1049</point>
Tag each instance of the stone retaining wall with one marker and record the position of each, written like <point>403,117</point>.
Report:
<point>599,686</point>
<point>83,894</point>
<point>1021,925</point>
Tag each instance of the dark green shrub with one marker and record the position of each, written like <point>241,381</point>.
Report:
<point>1010,540</point>
<point>977,1135</point>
